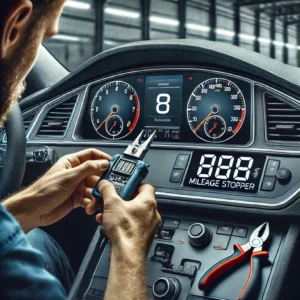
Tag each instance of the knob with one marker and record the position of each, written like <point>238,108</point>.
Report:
<point>283,175</point>
<point>166,288</point>
<point>199,235</point>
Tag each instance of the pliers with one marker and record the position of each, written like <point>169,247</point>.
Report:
<point>257,239</point>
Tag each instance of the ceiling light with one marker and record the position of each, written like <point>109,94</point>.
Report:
<point>121,13</point>
<point>164,21</point>
<point>197,27</point>
<point>264,41</point>
<point>78,4</point>
<point>225,32</point>
<point>247,37</point>
<point>290,46</point>
<point>64,37</point>
<point>278,43</point>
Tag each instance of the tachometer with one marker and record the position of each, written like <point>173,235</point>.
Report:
<point>115,110</point>
<point>216,110</point>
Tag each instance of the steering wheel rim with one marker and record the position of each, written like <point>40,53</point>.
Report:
<point>15,159</point>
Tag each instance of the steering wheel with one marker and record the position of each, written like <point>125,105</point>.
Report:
<point>15,159</point>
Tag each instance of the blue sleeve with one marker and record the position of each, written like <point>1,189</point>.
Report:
<point>22,272</point>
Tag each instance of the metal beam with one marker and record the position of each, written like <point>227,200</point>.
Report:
<point>285,40</point>
<point>272,36</point>
<point>237,22</point>
<point>284,10</point>
<point>182,18</point>
<point>99,24</point>
<point>258,2</point>
<point>145,6</point>
<point>213,19</point>
<point>257,30</point>
<point>293,22</point>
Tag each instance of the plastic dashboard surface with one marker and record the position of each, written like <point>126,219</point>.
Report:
<point>183,106</point>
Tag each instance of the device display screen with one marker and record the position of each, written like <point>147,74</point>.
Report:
<point>230,172</point>
<point>163,106</point>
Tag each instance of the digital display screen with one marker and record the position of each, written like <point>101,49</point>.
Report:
<point>229,172</point>
<point>163,106</point>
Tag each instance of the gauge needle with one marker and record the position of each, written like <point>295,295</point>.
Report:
<point>199,126</point>
<point>215,126</point>
<point>105,120</point>
<point>112,127</point>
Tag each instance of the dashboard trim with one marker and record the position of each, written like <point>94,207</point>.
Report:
<point>172,145</point>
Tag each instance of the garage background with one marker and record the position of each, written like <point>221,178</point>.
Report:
<point>88,27</point>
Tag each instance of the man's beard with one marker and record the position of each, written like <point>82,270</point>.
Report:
<point>12,82</point>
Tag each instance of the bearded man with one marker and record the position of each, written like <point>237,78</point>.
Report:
<point>25,272</point>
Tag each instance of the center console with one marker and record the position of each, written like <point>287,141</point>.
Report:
<point>182,252</point>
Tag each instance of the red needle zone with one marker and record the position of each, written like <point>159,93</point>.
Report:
<point>112,127</point>
<point>215,127</point>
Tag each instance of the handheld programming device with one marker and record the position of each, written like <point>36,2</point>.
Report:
<point>127,171</point>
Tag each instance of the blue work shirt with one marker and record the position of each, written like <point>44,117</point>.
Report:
<point>22,272</point>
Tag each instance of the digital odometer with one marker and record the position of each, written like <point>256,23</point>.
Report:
<point>229,172</point>
<point>216,110</point>
<point>115,110</point>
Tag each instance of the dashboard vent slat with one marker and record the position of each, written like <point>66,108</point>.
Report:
<point>283,120</point>
<point>56,121</point>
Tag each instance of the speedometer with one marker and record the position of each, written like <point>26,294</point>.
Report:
<point>216,110</point>
<point>115,110</point>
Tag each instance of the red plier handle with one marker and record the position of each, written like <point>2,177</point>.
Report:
<point>252,286</point>
<point>222,267</point>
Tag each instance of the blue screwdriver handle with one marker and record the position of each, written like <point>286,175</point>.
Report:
<point>132,185</point>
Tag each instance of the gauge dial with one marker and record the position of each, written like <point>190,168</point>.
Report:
<point>114,125</point>
<point>220,101</point>
<point>115,110</point>
<point>215,127</point>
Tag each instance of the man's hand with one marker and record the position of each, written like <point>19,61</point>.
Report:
<point>130,226</point>
<point>67,185</point>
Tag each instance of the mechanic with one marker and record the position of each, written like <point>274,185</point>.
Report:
<point>25,272</point>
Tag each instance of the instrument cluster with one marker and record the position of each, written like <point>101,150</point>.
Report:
<point>183,107</point>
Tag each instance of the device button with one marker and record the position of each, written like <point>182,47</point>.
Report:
<point>284,175</point>
<point>166,288</point>
<point>176,176</point>
<point>171,223</point>
<point>164,233</point>
<point>272,167</point>
<point>225,230</point>
<point>163,253</point>
<point>268,183</point>
<point>199,235</point>
<point>240,232</point>
<point>181,162</point>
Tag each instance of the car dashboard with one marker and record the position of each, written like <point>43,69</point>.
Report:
<point>225,153</point>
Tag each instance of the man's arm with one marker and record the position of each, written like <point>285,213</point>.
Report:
<point>23,275</point>
<point>123,221</point>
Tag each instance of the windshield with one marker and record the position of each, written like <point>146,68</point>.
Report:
<point>88,27</point>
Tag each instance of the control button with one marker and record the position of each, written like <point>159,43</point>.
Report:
<point>272,167</point>
<point>163,253</point>
<point>171,223</point>
<point>225,230</point>
<point>187,268</point>
<point>98,293</point>
<point>166,288</point>
<point>199,235</point>
<point>284,175</point>
<point>181,161</point>
<point>268,184</point>
<point>221,242</point>
<point>176,176</point>
<point>164,233</point>
<point>240,232</point>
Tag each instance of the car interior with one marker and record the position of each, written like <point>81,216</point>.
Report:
<point>225,123</point>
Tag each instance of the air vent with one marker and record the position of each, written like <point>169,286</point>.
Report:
<point>283,120</point>
<point>57,119</point>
